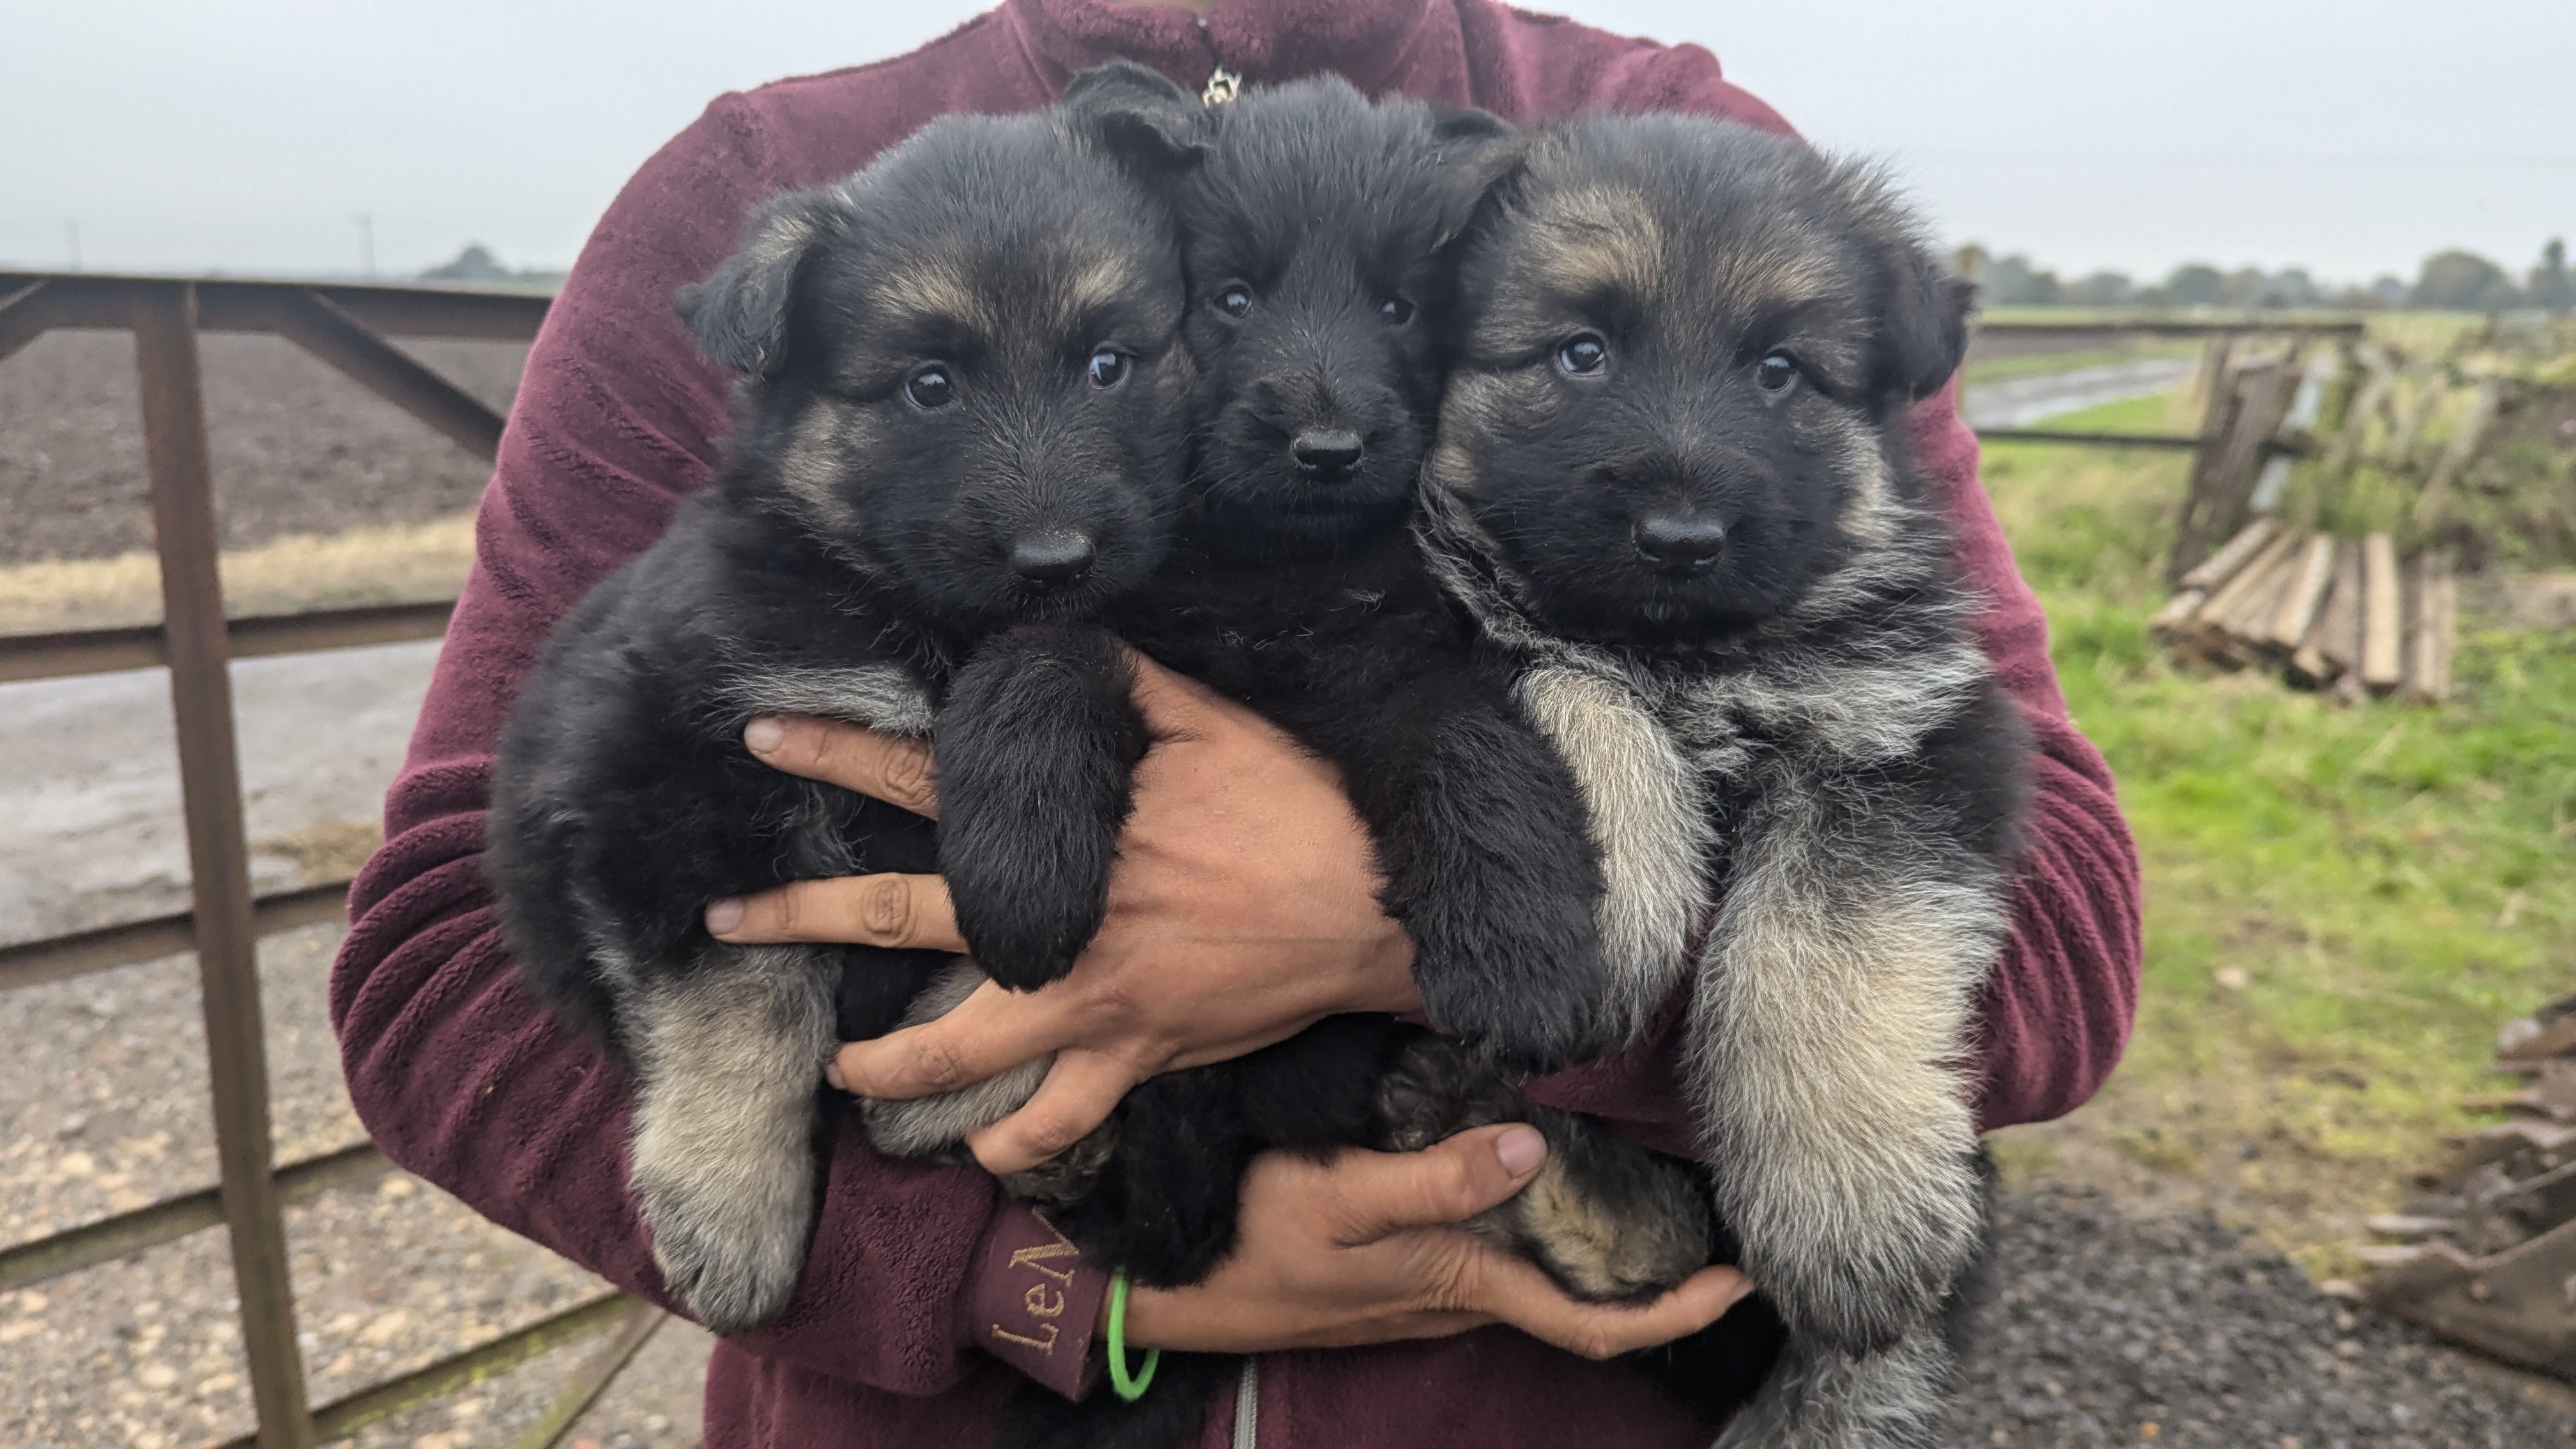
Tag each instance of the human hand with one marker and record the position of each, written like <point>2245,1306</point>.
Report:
<point>1362,1249</point>
<point>1242,909</point>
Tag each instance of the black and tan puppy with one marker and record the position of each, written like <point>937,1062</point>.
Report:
<point>1672,481</point>
<point>961,406</point>
<point>1314,229</point>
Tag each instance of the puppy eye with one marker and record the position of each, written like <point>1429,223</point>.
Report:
<point>1108,368</point>
<point>1234,299</point>
<point>1584,356</point>
<point>929,388</point>
<point>1776,373</point>
<point>1395,311</point>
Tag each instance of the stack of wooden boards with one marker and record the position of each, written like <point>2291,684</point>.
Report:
<point>2352,480</point>
<point>2329,612</point>
<point>2487,1256</point>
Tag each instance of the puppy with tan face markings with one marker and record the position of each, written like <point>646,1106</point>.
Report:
<point>961,407</point>
<point>1672,483</point>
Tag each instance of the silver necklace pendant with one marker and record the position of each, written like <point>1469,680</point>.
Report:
<point>1222,86</point>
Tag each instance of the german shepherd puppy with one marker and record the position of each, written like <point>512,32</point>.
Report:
<point>1315,229</point>
<point>1673,484</point>
<point>961,406</point>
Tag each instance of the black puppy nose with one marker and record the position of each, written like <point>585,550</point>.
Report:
<point>1680,540</point>
<point>1052,559</point>
<point>1328,452</point>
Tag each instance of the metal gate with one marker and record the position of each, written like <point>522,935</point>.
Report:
<point>344,326</point>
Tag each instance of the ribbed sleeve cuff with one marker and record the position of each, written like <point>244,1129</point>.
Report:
<point>1034,1299</point>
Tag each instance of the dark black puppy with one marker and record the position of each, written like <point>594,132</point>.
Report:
<point>1673,480</point>
<point>1314,232</point>
<point>962,406</point>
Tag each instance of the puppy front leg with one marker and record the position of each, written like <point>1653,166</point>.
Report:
<point>726,1060</point>
<point>1827,1029</point>
<point>1480,833</point>
<point>1036,744</point>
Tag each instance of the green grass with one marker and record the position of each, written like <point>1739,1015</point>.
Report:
<point>1996,369</point>
<point>2392,882</point>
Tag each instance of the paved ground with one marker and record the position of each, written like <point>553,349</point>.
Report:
<point>91,792</point>
<point>2020,402</point>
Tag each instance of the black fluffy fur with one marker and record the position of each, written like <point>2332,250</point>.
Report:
<point>1674,483</point>
<point>1314,233</point>
<point>853,554</point>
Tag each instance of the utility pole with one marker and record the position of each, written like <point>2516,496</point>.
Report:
<point>71,241</point>
<point>366,243</point>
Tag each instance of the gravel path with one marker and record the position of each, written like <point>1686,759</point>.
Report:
<point>2104,1329</point>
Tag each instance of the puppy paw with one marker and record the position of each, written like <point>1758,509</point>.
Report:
<point>1026,928</point>
<point>731,1257</point>
<point>1608,1220</point>
<point>1859,1272</point>
<point>1817,1398</point>
<point>1070,1175</point>
<point>1527,1020</point>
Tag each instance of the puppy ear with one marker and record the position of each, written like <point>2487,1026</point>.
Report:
<point>1927,323</point>
<point>739,313</point>
<point>1924,307</point>
<point>1478,148</point>
<point>1137,113</point>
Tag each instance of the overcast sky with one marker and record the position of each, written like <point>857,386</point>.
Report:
<point>2351,137</point>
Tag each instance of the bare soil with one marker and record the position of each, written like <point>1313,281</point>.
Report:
<point>296,447</point>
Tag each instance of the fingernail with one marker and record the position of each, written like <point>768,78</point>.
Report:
<point>1521,1149</point>
<point>764,735</point>
<point>1742,1290</point>
<point>724,915</point>
<point>832,1074</point>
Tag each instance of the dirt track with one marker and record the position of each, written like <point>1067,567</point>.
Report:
<point>297,448</point>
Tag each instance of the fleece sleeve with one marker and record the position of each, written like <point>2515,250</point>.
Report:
<point>461,1075</point>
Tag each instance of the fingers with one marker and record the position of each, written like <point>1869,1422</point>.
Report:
<point>1175,706</point>
<point>892,769</point>
<point>898,911</point>
<point>987,1034</point>
<point>1385,1192</point>
<point>1516,1292</point>
<point>1078,1094</point>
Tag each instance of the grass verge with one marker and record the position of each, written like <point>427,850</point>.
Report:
<point>2343,904</point>
<point>393,564</point>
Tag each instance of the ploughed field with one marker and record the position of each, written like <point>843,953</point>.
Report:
<point>2287,1096</point>
<point>297,448</point>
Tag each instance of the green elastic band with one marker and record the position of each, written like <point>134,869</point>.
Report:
<point>1130,1388</point>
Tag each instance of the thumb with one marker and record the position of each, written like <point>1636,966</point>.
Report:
<point>1386,1192</point>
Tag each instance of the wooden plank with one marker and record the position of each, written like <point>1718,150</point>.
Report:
<point>2246,629</point>
<point>2382,615</point>
<point>2430,623</point>
<point>2306,593</point>
<point>2174,619</point>
<point>2225,600</point>
<point>2339,623</point>
<point>2219,567</point>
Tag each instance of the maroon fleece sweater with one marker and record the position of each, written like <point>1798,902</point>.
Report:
<point>926,1296</point>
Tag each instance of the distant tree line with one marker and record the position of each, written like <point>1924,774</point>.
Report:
<point>477,264</point>
<point>2449,281</point>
